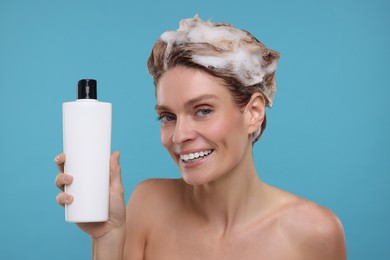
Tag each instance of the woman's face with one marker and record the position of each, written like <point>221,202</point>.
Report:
<point>201,127</point>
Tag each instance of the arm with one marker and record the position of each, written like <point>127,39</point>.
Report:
<point>109,246</point>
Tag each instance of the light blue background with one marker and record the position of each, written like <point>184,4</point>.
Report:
<point>327,137</point>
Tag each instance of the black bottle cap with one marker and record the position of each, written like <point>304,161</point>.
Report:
<point>87,89</point>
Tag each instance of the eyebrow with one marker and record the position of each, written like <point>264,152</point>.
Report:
<point>190,102</point>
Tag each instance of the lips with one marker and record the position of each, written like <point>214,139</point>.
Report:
<point>191,157</point>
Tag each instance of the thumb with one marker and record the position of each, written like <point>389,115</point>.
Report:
<point>115,171</point>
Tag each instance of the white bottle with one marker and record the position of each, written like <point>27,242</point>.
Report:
<point>87,147</point>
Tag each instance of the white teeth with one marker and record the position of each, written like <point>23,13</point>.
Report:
<point>191,156</point>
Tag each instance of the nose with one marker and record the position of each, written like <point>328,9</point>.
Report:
<point>184,131</point>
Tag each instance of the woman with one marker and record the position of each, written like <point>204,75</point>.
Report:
<point>213,83</point>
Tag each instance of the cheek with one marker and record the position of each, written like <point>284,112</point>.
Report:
<point>165,137</point>
<point>228,125</point>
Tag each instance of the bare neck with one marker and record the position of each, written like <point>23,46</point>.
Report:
<point>232,200</point>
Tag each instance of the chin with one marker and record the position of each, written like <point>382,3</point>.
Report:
<point>196,178</point>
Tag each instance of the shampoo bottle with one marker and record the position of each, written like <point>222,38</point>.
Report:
<point>87,148</point>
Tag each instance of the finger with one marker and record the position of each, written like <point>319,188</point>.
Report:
<point>115,172</point>
<point>60,160</point>
<point>62,180</point>
<point>64,198</point>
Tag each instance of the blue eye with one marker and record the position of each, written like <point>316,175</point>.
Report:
<point>166,118</point>
<point>203,112</point>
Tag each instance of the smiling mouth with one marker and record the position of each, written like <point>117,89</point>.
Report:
<point>192,157</point>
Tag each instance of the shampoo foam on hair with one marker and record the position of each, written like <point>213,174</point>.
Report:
<point>87,147</point>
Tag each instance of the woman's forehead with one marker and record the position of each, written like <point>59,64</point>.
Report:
<point>185,85</point>
<point>189,78</point>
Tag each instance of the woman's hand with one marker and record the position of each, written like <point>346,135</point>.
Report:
<point>117,215</point>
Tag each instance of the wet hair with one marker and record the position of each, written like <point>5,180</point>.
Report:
<point>243,63</point>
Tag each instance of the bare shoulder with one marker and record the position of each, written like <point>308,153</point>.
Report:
<point>316,232</point>
<point>155,193</point>
<point>147,209</point>
<point>157,188</point>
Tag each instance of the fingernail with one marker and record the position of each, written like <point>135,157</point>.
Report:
<point>67,178</point>
<point>57,158</point>
<point>68,198</point>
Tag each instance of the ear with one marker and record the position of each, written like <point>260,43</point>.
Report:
<point>255,112</point>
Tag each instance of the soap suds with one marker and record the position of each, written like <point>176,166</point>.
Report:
<point>237,51</point>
